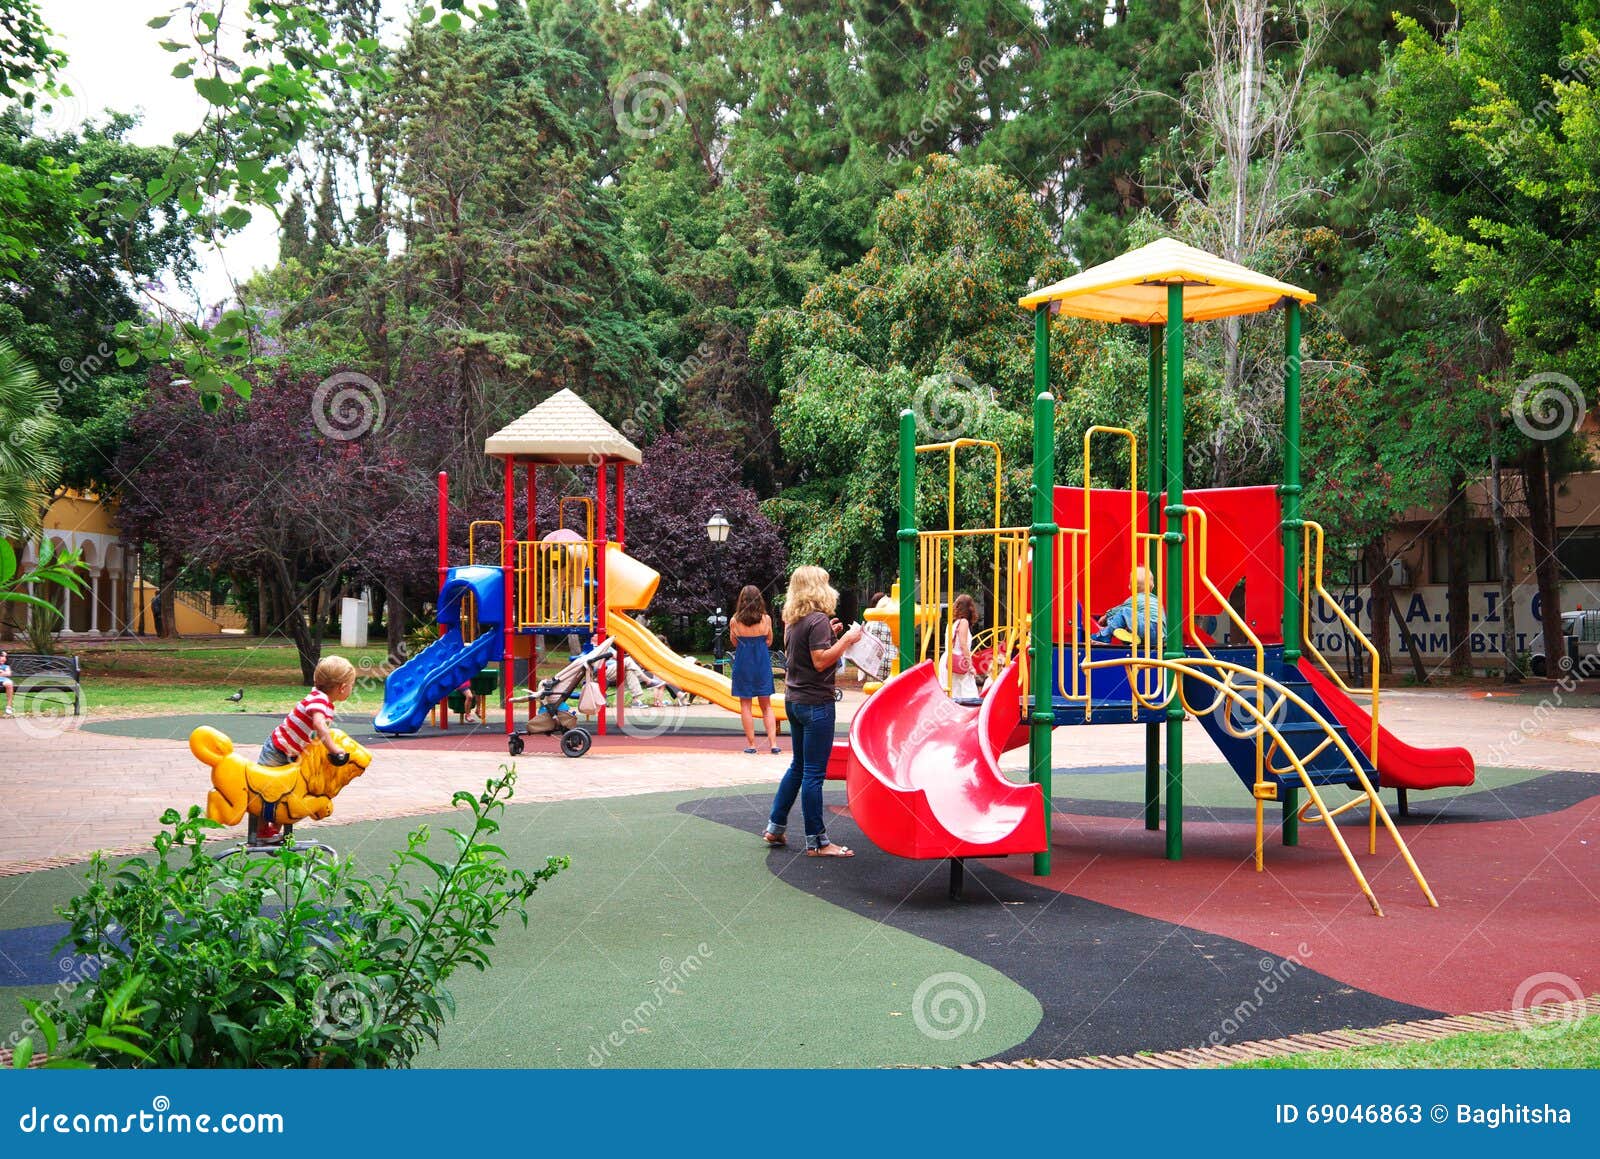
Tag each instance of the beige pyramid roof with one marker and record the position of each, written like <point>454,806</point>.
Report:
<point>1133,287</point>
<point>561,429</point>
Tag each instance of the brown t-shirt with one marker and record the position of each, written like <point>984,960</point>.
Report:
<point>802,683</point>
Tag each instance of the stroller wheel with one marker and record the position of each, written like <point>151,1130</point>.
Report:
<point>514,745</point>
<point>576,742</point>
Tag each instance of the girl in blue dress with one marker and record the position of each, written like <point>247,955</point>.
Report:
<point>751,629</point>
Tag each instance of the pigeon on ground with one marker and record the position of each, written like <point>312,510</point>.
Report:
<point>236,698</point>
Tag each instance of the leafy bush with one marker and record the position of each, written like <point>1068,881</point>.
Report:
<point>280,961</point>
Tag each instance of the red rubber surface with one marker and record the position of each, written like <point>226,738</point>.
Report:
<point>1516,899</point>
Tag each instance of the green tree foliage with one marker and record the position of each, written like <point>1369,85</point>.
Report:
<point>77,279</point>
<point>28,461</point>
<point>927,320</point>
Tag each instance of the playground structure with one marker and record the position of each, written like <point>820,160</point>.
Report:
<point>565,584</point>
<point>923,771</point>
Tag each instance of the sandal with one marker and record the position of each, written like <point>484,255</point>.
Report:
<point>776,751</point>
<point>750,750</point>
<point>776,840</point>
<point>832,849</point>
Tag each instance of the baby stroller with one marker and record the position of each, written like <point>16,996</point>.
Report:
<point>554,717</point>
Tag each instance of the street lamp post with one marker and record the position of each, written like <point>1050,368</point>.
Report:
<point>717,529</point>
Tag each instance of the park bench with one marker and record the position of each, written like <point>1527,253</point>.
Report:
<point>39,672</point>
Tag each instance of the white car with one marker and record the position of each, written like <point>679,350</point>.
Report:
<point>1581,629</point>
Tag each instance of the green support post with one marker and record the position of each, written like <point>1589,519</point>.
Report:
<point>1293,528</point>
<point>1042,717</point>
<point>908,539</point>
<point>1153,470</point>
<point>1172,637</point>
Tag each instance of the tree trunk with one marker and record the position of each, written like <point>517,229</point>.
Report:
<point>1378,584</point>
<point>166,597</point>
<point>1541,529</point>
<point>1458,599</point>
<point>302,629</point>
<point>394,623</point>
<point>1418,668</point>
<point>1502,555</point>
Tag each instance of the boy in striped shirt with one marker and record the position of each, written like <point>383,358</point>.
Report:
<point>334,680</point>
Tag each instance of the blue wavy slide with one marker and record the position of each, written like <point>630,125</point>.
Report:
<point>422,681</point>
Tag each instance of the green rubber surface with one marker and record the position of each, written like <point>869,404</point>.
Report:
<point>669,943</point>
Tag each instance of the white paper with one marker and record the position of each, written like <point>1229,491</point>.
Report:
<point>868,653</point>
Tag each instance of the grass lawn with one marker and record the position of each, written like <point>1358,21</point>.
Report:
<point>184,676</point>
<point>1549,1046</point>
<point>162,676</point>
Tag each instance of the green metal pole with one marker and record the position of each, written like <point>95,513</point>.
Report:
<point>1293,527</point>
<point>1042,534</point>
<point>908,539</point>
<point>1153,471</point>
<point>1172,637</point>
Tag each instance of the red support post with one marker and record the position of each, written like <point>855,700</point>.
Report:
<point>444,568</point>
<point>622,659</point>
<point>598,620</point>
<point>507,662</point>
<point>530,532</point>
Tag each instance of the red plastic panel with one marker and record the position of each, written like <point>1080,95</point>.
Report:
<point>924,781</point>
<point>1109,546</point>
<point>1244,541</point>
<point>1400,765</point>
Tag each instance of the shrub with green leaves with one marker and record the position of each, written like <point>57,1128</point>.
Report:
<point>288,960</point>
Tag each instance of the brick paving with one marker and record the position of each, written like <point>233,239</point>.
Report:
<point>66,794</point>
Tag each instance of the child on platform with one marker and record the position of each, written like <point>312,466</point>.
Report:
<point>334,680</point>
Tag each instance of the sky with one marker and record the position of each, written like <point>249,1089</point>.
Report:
<point>114,60</point>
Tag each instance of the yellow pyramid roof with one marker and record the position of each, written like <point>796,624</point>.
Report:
<point>1133,287</point>
<point>561,429</point>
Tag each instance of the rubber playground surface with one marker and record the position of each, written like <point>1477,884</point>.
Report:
<point>676,939</point>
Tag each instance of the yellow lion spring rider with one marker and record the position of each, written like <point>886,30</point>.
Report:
<point>282,795</point>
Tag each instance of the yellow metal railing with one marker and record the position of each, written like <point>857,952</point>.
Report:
<point>1314,591</point>
<point>553,588</point>
<point>588,513</point>
<point>936,552</point>
<point>1194,668</point>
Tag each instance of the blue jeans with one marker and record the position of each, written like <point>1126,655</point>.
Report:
<point>811,728</point>
<point>272,758</point>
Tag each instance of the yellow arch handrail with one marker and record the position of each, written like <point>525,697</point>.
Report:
<point>1190,667</point>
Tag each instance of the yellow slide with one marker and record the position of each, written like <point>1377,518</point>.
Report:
<point>654,656</point>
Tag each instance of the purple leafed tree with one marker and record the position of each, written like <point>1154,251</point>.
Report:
<point>670,497</point>
<point>271,487</point>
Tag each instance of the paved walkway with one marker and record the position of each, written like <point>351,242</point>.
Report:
<point>63,795</point>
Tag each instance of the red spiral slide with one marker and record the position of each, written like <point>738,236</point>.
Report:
<point>924,772</point>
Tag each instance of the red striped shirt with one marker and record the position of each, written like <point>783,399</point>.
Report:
<point>291,737</point>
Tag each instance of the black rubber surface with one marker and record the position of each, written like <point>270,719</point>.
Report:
<point>1110,981</point>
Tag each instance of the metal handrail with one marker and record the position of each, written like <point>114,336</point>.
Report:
<point>1313,587</point>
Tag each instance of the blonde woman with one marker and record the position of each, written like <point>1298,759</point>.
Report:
<point>813,665</point>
